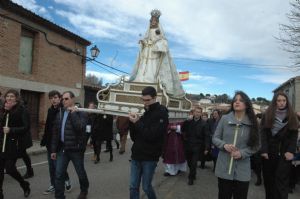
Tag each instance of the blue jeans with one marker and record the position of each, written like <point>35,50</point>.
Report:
<point>62,162</point>
<point>52,166</point>
<point>142,170</point>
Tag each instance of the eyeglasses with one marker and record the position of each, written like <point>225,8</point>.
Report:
<point>66,98</point>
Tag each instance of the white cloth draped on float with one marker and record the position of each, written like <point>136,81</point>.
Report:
<point>154,63</point>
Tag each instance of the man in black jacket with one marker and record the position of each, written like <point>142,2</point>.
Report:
<point>56,107</point>
<point>147,133</point>
<point>68,144</point>
<point>196,136</point>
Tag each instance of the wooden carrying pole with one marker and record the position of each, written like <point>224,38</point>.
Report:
<point>4,138</point>
<point>234,143</point>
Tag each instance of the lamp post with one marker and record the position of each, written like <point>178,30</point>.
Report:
<point>94,54</point>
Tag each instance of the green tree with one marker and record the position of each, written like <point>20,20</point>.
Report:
<point>201,96</point>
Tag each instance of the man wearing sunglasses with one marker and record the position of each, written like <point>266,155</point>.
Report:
<point>68,144</point>
<point>147,133</point>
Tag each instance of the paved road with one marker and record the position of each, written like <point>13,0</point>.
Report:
<point>109,180</point>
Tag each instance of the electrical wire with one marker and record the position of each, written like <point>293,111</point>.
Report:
<point>97,64</point>
<point>247,65</point>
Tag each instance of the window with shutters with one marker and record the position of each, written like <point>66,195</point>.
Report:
<point>26,51</point>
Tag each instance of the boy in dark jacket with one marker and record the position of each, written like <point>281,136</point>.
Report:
<point>147,133</point>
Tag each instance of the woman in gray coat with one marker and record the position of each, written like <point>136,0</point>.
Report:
<point>237,138</point>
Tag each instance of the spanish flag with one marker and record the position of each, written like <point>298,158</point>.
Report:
<point>183,76</point>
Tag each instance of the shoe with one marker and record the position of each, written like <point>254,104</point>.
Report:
<point>28,174</point>
<point>167,174</point>
<point>82,195</point>
<point>26,188</point>
<point>68,185</point>
<point>50,190</point>
<point>121,152</point>
<point>97,160</point>
<point>190,182</point>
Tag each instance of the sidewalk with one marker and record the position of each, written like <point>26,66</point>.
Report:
<point>36,148</point>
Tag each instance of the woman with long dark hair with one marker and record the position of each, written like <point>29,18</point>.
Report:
<point>14,123</point>
<point>279,131</point>
<point>237,138</point>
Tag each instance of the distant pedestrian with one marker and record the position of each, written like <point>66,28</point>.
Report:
<point>123,128</point>
<point>237,138</point>
<point>147,133</point>
<point>55,108</point>
<point>18,124</point>
<point>279,132</point>
<point>196,136</point>
<point>173,153</point>
<point>68,144</point>
<point>103,129</point>
<point>213,123</point>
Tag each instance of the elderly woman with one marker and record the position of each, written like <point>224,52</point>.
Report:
<point>237,138</point>
<point>14,123</point>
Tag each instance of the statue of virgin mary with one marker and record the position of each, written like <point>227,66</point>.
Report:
<point>154,63</point>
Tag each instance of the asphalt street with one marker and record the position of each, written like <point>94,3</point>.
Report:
<point>110,180</point>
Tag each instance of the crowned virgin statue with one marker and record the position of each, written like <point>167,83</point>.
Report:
<point>154,63</point>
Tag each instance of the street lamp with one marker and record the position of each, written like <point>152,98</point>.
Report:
<point>94,52</point>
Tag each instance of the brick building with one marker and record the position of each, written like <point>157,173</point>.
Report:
<point>37,56</point>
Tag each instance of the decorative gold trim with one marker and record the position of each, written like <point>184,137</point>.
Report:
<point>174,104</point>
<point>128,99</point>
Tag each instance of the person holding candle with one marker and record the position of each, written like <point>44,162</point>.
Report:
<point>14,123</point>
<point>237,138</point>
<point>279,132</point>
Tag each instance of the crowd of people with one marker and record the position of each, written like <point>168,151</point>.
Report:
<point>236,142</point>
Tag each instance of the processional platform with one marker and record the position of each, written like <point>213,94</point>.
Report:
<point>125,97</point>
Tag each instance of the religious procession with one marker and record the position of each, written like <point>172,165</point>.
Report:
<point>140,137</point>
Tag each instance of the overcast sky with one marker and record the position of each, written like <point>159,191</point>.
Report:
<point>205,38</point>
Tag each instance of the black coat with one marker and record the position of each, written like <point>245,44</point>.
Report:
<point>284,141</point>
<point>51,115</point>
<point>103,127</point>
<point>196,134</point>
<point>19,124</point>
<point>148,133</point>
<point>74,132</point>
